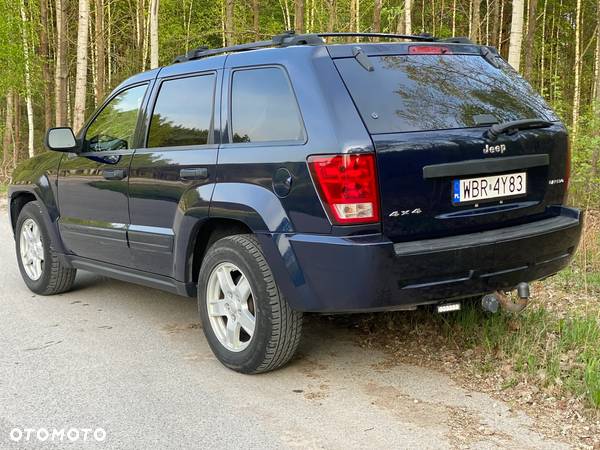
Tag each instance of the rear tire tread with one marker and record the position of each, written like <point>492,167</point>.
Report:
<point>287,323</point>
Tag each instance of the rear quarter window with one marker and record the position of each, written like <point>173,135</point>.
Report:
<point>433,92</point>
<point>183,112</point>
<point>264,107</point>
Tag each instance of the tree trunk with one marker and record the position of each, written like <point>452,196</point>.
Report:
<point>357,18</point>
<point>140,35</point>
<point>543,52</point>
<point>28,100</point>
<point>377,16</point>
<point>495,22</point>
<point>528,55</point>
<point>501,26</point>
<point>453,17</point>
<point>255,17</point>
<point>596,152</point>
<point>154,33</point>
<point>299,16</point>
<point>45,53</point>
<point>331,8</point>
<point>408,16</point>
<point>8,138</point>
<point>100,52</point>
<point>108,45</point>
<point>16,130</point>
<point>475,20</point>
<point>577,63</point>
<point>61,69</point>
<point>82,65</point>
<point>516,34</point>
<point>487,22</point>
<point>401,25</point>
<point>146,43</point>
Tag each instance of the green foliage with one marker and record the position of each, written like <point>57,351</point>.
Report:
<point>585,157</point>
<point>558,353</point>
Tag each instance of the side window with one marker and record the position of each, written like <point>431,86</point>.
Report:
<point>183,112</point>
<point>114,127</point>
<point>263,107</point>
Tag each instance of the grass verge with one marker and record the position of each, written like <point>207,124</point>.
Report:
<point>548,354</point>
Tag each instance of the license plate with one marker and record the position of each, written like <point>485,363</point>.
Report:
<point>487,188</point>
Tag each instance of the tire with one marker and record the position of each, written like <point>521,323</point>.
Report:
<point>54,276</point>
<point>277,328</point>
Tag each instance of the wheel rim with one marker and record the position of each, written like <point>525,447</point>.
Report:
<point>31,249</point>
<point>230,306</point>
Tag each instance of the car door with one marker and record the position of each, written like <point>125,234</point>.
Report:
<point>93,184</point>
<point>172,178</point>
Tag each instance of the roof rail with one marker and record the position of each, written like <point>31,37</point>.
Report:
<point>284,39</point>
<point>415,37</point>
<point>288,38</point>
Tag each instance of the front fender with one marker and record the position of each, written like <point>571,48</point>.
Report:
<point>36,178</point>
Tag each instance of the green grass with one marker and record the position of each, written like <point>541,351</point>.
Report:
<point>558,354</point>
<point>572,278</point>
<point>3,189</point>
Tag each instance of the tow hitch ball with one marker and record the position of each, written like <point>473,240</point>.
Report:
<point>492,302</point>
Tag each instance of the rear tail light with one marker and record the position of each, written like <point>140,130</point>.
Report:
<point>347,185</point>
<point>428,50</point>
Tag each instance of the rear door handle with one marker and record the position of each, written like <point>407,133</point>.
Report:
<point>198,173</point>
<point>114,174</point>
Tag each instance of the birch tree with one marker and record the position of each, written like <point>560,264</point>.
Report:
<point>408,16</point>
<point>82,64</point>
<point>61,69</point>
<point>577,63</point>
<point>27,60</point>
<point>516,34</point>
<point>154,33</point>
<point>596,152</point>
<point>45,54</point>
<point>475,20</point>
<point>100,51</point>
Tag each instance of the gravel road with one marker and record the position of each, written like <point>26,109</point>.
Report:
<point>133,363</point>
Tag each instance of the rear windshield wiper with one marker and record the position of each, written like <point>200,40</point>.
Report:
<point>517,125</point>
<point>362,59</point>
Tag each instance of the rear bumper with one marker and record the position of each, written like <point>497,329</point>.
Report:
<point>369,273</point>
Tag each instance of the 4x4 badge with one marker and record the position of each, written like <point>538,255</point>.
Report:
<point>491,149</point>
<point>405,212</point>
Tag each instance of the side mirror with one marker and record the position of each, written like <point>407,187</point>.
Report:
<point>61,139</point>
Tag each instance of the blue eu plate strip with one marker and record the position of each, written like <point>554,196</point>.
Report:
<point>456,191</point>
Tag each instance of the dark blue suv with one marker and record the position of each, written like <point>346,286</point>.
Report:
<point>290,175</point>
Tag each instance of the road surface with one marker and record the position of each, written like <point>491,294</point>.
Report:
<point>131,363</point>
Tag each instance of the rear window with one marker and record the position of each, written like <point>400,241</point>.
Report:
<point>433,92</point>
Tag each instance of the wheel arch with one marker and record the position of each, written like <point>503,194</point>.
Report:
<point>235,208</point>
<point>206,234</point>
<point>21,196</point>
